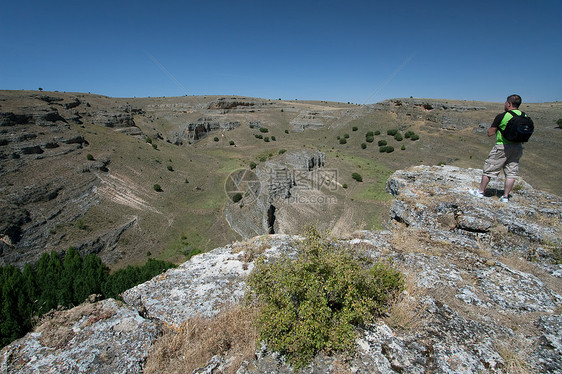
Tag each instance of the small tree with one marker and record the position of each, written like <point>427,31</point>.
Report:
<point>357,177</point>
<point>157,188</point>
<point>559,123</point>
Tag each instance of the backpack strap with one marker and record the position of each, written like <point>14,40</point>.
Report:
<point>515,114</point>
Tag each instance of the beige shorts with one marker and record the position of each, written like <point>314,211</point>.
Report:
<point>506,157</point>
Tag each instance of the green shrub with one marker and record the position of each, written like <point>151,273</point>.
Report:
<point>89,157</point>
<point>157,188</point>
<point>414,137</point>
<point>346,136</point>
<point>344,185</point>
<point>386,148</point>
<point>253,165</point>
<point>369,139</point>
<point>357,177</point>
<point>408,134</point>
<point>170,168</point>
<point>343,141</point>
<point>237,197</point>
<point>316,301</point>
<point>369,134</point>
<point>273,139</point>
<point>354,128</point>
<point>392,132</point>
<point>559,123</point>
<point>281,151</point>
<point>382,143</point>
<point>148,140</point>
<point>216,138</point>
<point>403,147</point>
<point>286,131</point>
<point>231,142</point>
<point>398,137</point>
<point>264,129</point>
<point>377,132</point>
<point>363,145</point>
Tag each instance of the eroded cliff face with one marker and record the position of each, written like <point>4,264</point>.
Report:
<point>271,202</point>
<point>484,291</point>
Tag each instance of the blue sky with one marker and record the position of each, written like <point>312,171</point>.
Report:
<point>348,51</point>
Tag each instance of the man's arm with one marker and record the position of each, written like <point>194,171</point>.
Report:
<point>495,125</point>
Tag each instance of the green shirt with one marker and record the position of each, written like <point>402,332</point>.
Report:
<point>500,122</point>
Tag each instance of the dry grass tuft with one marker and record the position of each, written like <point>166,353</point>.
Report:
<point>406,311</point>
<point>515,360</point>
<point>252,249</point>
<point>56,326</point>
<point>231,334</point>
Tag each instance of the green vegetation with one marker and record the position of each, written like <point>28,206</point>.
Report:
<point>392,132</point>
<point>61,281</point>
<point>231,142</point>
<point>386,148</point>
<point>398,137</point>
<point>411,135</point>
<point>559,123</point>
<point>170,168</point>
<point>357,177</point>
<point>216,138</point>
<point>354,128</point>
<point>316,301</point>
<point>343,140</point>
<point>264,129</point>
<point>363,146</point>
<point>382,143</point>
<point>252,165</point>
<point>89,157</point>
<point>157,188</point>
<point>237,197</point>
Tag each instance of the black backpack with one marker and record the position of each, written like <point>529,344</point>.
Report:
<point>519,128</point>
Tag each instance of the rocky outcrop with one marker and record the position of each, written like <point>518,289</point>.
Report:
<point>195,131</point>
<point>105,337</point>
<point>267,208</point>
<point>483,291</point>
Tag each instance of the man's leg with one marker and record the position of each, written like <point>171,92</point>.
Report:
<point>484,183</point>
<point>508,186</point>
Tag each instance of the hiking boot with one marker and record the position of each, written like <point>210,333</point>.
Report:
<point>504,199</point>
<point>476,193</point>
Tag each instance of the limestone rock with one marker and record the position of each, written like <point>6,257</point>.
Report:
<point>105,337</point>
<point>473,303</point>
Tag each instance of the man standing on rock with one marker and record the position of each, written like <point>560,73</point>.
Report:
<point>505,154</point>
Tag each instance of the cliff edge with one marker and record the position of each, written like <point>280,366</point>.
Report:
<point>484,292</point>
